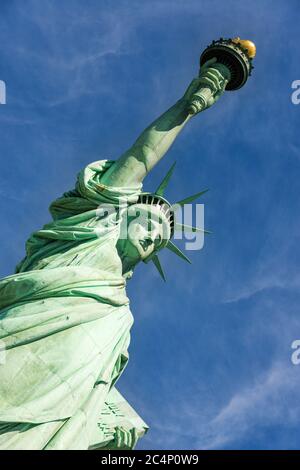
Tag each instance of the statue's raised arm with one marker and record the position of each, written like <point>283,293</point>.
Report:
<point>226,63</point>
<point>156,139</point>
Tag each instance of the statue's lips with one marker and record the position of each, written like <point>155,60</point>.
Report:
<point>144,244</point>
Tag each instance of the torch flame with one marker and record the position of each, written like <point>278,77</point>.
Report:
<point>246,44</point>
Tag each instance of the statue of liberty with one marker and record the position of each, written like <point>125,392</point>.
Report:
<point>64,315</point>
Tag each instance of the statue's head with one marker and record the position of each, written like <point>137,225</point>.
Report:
<point>148,226</point>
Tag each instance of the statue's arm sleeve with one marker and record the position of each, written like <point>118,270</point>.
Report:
<point>154,142</point>
<point>149,148</point>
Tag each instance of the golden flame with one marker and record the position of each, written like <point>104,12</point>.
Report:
<point>246,44</point>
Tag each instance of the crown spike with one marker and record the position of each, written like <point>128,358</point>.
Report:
<point>190,228</point>
<point>177,251</point>
<point>161,188</point>
<point>189,199</point>
<point>157,264</point>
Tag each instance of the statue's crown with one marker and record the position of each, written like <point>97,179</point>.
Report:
<point>158,200</point>
<point>164,206</point>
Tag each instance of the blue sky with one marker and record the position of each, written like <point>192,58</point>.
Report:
<point>210,354</point>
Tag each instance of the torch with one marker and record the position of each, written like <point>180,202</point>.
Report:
<point>234,62</point>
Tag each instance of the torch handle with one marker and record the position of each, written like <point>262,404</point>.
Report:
<point>200,99</point>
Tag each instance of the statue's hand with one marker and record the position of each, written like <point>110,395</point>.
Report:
<point>124,439</point>
<point>209,77</point>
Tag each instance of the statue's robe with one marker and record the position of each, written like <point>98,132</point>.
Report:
<point>65,324</point>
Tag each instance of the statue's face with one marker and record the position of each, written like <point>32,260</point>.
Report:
<point>145,237</point>
<point>147,231</point>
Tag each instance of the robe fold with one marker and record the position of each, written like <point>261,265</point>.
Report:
<point>65,326</point>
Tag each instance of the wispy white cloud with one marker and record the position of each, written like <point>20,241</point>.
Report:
<point>261,404</point>
<point>73,59</point>
<point>262,284</point>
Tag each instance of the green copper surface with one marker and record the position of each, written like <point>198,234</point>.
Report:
<point>65,318</point>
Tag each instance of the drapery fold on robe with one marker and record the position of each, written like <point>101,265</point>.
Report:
<point>65,319</point>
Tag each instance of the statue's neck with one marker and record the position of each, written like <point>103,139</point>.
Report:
<point>128,261</point>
